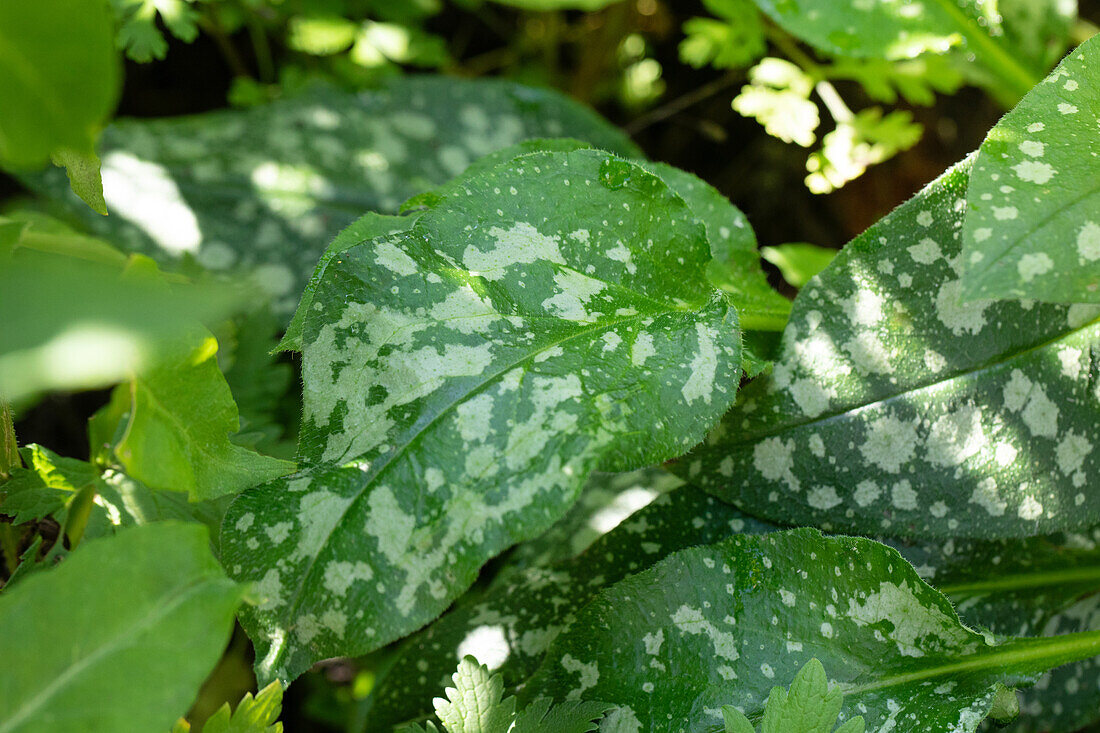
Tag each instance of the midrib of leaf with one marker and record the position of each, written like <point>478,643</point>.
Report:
<point>1021,581</point>
<point>400,451</point>
<point>1051,651</point>
<point>1038,225</point>
<point>181,427</point>
<point>1021,79</point>
<point>121,639</point>
<point>964,374</point>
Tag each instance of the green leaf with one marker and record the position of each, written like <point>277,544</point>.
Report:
<point>895,409</point>
<point>255,191</point>
<point>571,716</point>
<point>260,382</point>
<point>366,228</point>
<point>84,177</point>
<point>1035,586</point>
<point>118,637</point>
<point>736,267</point>
<point>46,486</point>
<point>550,5</point>
<point>253,715</point>
<point>512,624</point>
<point>460,382</point>
<point>812,706</point>
<point>607,500</point>
<point>1032,229</point>
<point>866,139</point>
<point>916,80</point>
<point>778,96</point>
<point>139,35</point>
<point>898,652</point>
<point>894,31</point>
<point>475,704</point>
<point>733,42</point>
<point>181,414</point>
<point>59,78</point>
<point>109,323</point>
<point>488,438</point>
<point>798,261</point>
<point>735,720</point>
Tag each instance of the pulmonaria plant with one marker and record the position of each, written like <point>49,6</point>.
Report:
<point>482,366</point>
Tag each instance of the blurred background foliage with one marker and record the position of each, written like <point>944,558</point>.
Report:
<point>813,141</point>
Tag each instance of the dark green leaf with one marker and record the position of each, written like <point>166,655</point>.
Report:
<point>1032,226</point>
<point>456,409</point>
<point>260,190</point>
<point>512,624</point>
<point>895,409</point>
<point>717,625</point>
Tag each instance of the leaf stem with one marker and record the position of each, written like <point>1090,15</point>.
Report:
<point>9,454</point>
<point>1022,581</point>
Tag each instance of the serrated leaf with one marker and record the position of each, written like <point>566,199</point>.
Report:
<point>1032,229</point>
<point>867,139</point>
<point>257,714</point>
<point>916,80</point>
<point>59,79</point>
<point>254,191</point>
<point>46,486</point>
<point>737,615</point>
<point>475,704</point>
<point>513,623</point>
<point>778,96</point>
<point>883,376</point>
<point>460,382</point>
<point>260,384</point>
<point>180,416</point>
<point>895,31</point>
<point>734,41</point>
<point>139,35</point>
<point>571,716</point>
<point>811,706</point>
<point>118,637</point>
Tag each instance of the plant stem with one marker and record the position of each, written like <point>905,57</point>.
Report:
<point>210,23</point>
<point>682,102</point>
<point>9,454</point>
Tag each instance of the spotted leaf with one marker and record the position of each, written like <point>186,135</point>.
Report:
<point>1032,228</point>
<point>260,191</point>
<point>461,380</point>
<point>719,625</point>
<point>894,408</point>
<point>1039,586</point>
<point>510,627</point>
